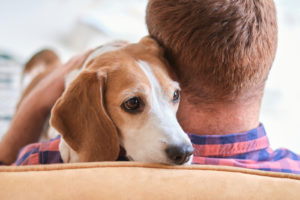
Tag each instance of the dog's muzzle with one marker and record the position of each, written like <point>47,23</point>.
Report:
<point>179,154</point>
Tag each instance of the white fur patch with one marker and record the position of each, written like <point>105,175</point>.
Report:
<point>52,133</point>
<point>68,155</point>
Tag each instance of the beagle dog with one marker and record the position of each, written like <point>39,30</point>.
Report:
<point>122,97</point>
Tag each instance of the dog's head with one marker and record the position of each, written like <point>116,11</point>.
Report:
<point>123,96</point>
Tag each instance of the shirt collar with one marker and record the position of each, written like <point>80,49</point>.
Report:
<point>230,145</point>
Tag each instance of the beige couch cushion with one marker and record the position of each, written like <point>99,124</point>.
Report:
<point>131,180</point>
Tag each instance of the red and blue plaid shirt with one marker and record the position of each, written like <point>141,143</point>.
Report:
<point>46,153</point>
<point>248,150</point>
<point>40,153</point>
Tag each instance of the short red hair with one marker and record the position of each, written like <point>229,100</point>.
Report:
<point>220,49</point>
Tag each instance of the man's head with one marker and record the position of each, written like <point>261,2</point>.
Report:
<point>221,50</point>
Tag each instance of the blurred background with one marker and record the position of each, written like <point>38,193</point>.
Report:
<point>73,26</point>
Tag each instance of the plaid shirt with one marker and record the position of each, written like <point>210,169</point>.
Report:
<point>40,153</point>
<point>46,153</point>
<point>248,150</point>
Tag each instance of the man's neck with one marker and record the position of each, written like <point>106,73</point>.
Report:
<point>220,118</point>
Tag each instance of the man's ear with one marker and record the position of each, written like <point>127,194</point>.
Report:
<point>82,120</point>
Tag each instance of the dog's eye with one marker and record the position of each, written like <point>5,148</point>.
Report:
<point>133,105</point>
<point>176,96</point>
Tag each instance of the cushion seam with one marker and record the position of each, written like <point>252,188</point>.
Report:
<point>56,167</point>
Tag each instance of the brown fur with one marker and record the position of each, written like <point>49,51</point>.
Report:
<point>221,50</point>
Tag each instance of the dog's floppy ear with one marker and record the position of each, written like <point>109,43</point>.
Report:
<point>82,120</point>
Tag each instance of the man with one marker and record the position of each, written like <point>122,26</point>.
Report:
<point>222,52</point>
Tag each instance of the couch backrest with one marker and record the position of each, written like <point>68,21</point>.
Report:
<point>131,180</point>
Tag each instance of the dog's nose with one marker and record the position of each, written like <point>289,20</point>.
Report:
<point>179,154</point>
